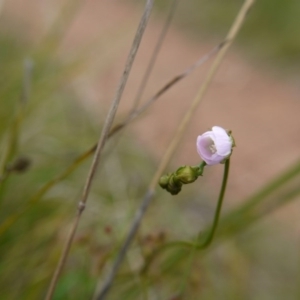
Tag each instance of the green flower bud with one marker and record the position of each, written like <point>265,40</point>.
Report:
<point>187,174</point>
<point>164,181</point>
<point>172,182</point>
<point>174,185</point>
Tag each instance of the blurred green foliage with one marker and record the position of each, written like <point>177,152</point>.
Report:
<point>245,262</point>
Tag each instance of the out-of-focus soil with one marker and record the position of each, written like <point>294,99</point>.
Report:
<point>260,107</point>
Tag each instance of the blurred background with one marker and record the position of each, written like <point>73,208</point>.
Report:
<point>60,65</point>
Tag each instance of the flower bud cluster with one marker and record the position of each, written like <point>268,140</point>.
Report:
<point>172,182</point>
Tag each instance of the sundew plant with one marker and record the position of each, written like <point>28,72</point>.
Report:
<point>88,211</point>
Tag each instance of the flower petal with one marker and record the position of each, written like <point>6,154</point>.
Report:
<point>204,142</point>
<point>214,159</point>
<point>223,141</point>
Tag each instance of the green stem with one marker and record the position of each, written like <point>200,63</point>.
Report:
<point>201,168</point>
<point>211,234</point>
<point>240,218</point>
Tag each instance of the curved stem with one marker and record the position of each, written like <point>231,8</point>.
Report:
<point>211,234</point>
<point>201,167</point>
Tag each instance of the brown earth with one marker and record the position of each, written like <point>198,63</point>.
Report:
<point>261,108</point>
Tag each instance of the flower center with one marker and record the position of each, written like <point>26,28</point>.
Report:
<point>212,148</point>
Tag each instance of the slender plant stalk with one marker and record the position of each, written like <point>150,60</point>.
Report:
<point>243,216</point>
<point>207,238</point>
<point>173,146</point>
<point>237,220</point>
<point>212,71</point>
<point>154,56</point>
<point>100,145</point>
<point>84,156</point>
<point>42,191</point>
<point>211,234</point>
<point>273,186</point>
<point>108,282</point>
<point>166,87</point>
<point>250,208</point>
<point>134,112</point>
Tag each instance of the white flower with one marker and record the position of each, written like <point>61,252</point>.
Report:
<point>215,146</point>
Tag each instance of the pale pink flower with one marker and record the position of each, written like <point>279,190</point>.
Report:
<point>215,146</point>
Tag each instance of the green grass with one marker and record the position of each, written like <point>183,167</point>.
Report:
<point>252,258</point>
